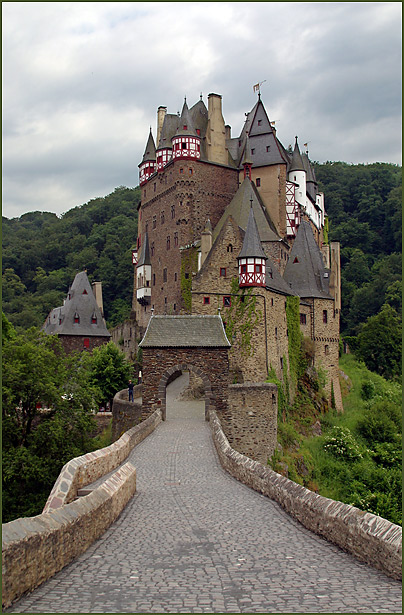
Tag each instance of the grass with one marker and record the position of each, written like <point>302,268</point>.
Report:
<point>370,480</point>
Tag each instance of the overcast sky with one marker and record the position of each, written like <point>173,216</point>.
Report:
<point>82,82</point>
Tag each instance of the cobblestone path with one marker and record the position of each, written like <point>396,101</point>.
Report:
<point>194,540</point>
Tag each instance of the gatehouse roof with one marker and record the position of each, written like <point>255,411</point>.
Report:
<point>185,331</point>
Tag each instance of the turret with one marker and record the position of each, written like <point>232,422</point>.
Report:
<point>143,274</point>
<point>148,165</point>
<point>186,143</point>
<point>251,260</point>
<point>297,175</point>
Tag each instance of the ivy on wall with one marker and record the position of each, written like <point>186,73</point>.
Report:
<point>189,265</point>
<point>242,317</point>
<point>296,363</point>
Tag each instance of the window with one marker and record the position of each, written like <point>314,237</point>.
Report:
<point>185,127</point>
<point>181,171</point>
<point>302,319</point>
<point>253,151</point>
<point>85,292</point>
<point>162,217</point>
<point>175,277</point>
<point>93,319</point>
<point>222,272</point>
<point>272,301</point>
<point>198,132</point>
<point>296,260</point>
<point>86,342</point>
<point>165,275</point>
<point>190,171</point>
<point>325,317</point>
<point>184,145</point>
<point>268,148</point>
<point>175,239</point>
<point>259,122</point>
<point>172,211</point>
<point>154,221</point>
<point>230,248</point>
<point>168,242</point>
<point>206,300</point>
<point>281,362</point>
<point>76,318</point>
<point>258,268</point>
<point>243,268</point>
<point>258,182</point>
<point>276,333</point>
<point>152,248</point>
<point>154,279</point>
<point>326,349</point>
<point>175,307</point>
<point>226,301</point>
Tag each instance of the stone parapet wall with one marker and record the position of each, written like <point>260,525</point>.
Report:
<point>35,548</point>
<point>368,537</point>
<point>126,414</point>
<point>84,470</point>
<point>250,424</point>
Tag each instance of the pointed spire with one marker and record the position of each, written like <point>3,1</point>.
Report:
<point>144,258</point>
<point>150,151</point>
<point>186,126</point>
<point>252,247</point>
<point>297,162</point>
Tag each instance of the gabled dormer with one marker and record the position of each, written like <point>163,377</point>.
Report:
<point>186,143</point>
<point>148,165</point>
<point>252,258</point>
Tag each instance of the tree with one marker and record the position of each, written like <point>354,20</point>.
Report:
<point>379,343</point>
<point>109,371</point>
<point>47,418</point>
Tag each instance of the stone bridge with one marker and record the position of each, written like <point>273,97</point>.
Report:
<point>193,539</point>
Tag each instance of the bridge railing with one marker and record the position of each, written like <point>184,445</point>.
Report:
<point>35,548</point>
<point>369,537</point>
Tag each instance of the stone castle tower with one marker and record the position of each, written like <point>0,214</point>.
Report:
<point>220,216</point>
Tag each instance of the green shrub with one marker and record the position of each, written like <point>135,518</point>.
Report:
<point>379,423</point>
<point>367,389</point>
<point>341,443</point>
<point>287,434</point>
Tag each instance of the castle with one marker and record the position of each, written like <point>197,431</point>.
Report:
<point>237,224</point>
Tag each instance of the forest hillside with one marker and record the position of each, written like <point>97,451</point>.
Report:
<point>42,253</point>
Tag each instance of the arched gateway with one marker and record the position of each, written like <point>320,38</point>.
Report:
<point>173,344</point>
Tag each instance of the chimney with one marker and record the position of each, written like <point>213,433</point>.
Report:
<point>216,132</point>
<point>228,132</point>
<point>206,241</point>
<point>161,113</point>
<point>97,291</point>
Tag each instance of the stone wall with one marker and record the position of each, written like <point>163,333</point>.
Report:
<point>84,470</point>
<point>126,414</point>
<point>250,424</point>
<point>210,364</point>
<point>368,537</point>
<point>75,343</point>
<point>35,548</point>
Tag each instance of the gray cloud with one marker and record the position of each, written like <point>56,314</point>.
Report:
<point>82,83</point>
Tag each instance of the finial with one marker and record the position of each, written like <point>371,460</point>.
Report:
<point>251,201</point>
<point>152,311</point>
<point>185,100</point>
<point>200,95</point>
<point>219,309</point>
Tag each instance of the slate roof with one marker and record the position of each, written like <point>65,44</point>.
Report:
<point>186,120</point>
<point>150,151</point>
<point>305,268</point>
<point>297,162</point>
<point>185,331</point>
<point>80,300</point>
<point>144,256</point>
<point>252,244</point>
<point>274,281</point>
<point>239,209</point>
<point>168,130</point>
